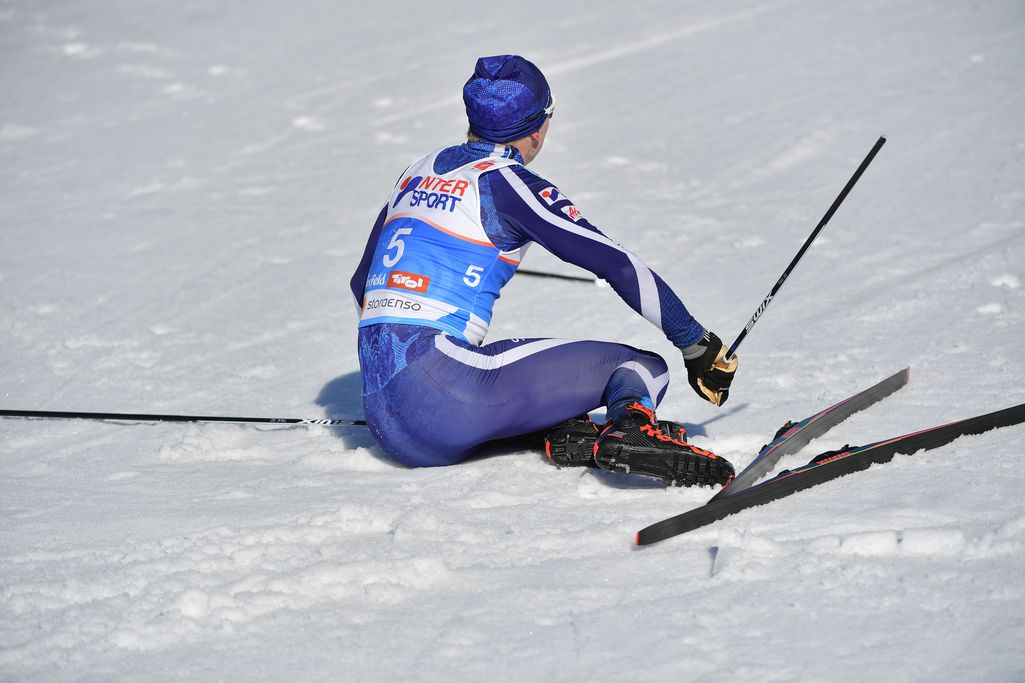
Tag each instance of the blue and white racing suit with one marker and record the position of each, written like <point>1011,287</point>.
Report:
<point>451,235</point>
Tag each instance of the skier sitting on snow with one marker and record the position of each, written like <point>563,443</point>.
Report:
<point>451,235</point>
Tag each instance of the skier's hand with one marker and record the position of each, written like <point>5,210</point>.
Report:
<point>708,371</point>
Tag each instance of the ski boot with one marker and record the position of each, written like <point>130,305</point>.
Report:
<point>571,444</point>
<point>638,445</point>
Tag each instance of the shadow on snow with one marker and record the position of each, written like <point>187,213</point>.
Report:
<point>341,398</point>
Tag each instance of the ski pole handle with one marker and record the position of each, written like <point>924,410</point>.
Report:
<point>807,243</point>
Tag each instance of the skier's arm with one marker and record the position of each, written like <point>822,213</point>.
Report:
<point>359,279</point>
<point>537,212</point>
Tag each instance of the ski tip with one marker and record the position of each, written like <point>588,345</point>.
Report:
<point>637,538</point>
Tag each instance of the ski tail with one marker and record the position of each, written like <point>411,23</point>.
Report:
<point>793,437</point>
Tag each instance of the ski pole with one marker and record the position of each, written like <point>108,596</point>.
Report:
<point>556,276</point>
<point>807,243</point>
<point>144,417</point>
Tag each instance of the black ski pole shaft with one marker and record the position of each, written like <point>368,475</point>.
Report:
<point>146,417</point>
<point>556,276</point>
<point>807,243</point>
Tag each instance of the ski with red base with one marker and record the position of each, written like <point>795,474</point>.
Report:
<point>825,467</point>
<point>792,437</point>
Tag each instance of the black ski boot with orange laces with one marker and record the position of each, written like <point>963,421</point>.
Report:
<point>638,445</point>
<point>571,444</point>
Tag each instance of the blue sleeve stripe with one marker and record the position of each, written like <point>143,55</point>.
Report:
<point>542,212</point>
<point>648,303</point>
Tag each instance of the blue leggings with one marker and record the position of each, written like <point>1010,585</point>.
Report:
<point>431,399</point>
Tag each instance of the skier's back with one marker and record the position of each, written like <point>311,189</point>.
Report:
<point>451,235</point>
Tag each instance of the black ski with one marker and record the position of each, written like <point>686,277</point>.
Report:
<point>828,466</point>
<point>792,437</point>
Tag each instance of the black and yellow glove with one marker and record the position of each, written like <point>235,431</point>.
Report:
<point>708,371</point>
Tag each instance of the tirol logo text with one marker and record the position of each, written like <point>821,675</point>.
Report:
<point>398,279</point>
<point>432,192</point>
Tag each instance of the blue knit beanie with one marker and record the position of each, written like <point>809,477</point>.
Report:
<point>505,98</point>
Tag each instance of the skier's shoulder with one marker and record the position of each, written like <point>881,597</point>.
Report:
<point>529,177</point>
<point>530,185</point>
<point>541,195</point>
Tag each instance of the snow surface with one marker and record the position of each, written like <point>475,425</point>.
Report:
<point>187,186</point>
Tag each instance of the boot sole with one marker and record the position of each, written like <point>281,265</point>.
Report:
<point>577,450</point>
<point>571,451</point>
<point>674,468</point>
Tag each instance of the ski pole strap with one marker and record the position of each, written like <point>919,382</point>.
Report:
<point>807,243</point>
